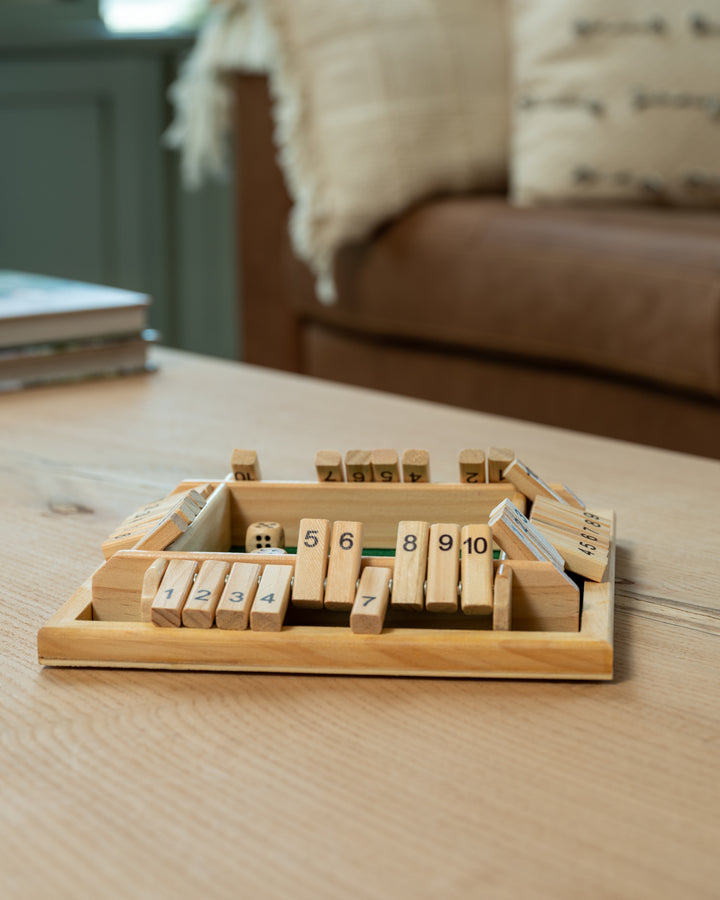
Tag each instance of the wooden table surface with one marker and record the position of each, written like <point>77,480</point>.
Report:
<point>171,784</point>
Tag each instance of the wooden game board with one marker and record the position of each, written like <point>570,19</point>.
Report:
<point>556,632</point>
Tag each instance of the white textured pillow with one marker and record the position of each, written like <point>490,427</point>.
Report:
<point>380,103</point>
<point>616,100</point>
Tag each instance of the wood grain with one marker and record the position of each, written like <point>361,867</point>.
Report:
<point>605,789</point>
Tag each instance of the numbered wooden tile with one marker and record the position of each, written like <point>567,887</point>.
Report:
<point>443,568</point>
<point>174,588</point>
<point>476,570</point>
<point>497,459</point>
<point>371,601</point>
<point>416,466</point>
<point>411,550</point>
<point>233,609</point>
<point>245,465</point>
<point>311,563</point>
<point>328,465</point>
<point>502,599</point>
<point>581,551</point>
<point>264,535</point>
<point>385,466</point>
<point>343,565</point>
<point>529,483</point>
<point>271,599</point>
<point>472,466</point>
<point>560,515</point>
<point>199,609</point>
<point>150,586</point>
<point>357,465</point>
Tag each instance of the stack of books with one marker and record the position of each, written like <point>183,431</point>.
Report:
<point>55,330</point>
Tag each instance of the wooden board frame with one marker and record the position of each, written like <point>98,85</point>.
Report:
<point>76,636</point>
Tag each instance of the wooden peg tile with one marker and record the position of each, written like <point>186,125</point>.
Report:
<point>150,586</point>
<point>472,466</point>
<point>311,563</point>
<point>199,610</point>
<point>186,512</point>
<point>173,591</point>
<point>170,527</point>
<point>233,609</point>
<point>357,465</point>
<point>343,565</point>
<point>272,599</point>
<point>528,483</point>
<point>502,599</point>
<point>416,466</point>
<point>476,566</point>
<point>519,538</point>
<point>328,465</point>
<point>497,459</point>
<point>443,568</point>
<point>560,515</point>
<point>371,601</point>
<point>582,553</point>
<point>408,580</point>
<point>385,466</point>
<point>245,465</point>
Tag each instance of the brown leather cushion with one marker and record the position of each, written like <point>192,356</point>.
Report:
<point>623,291</point>
<point>547,393</point>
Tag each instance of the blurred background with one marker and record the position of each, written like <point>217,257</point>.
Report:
<point>504,206</point>
<point>88,191</point>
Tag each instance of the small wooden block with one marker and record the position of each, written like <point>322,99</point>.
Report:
<point>357,465</point>
<point>528,483</point>
<point>233,609</point>
<point>411,550</point>
<point>173,591</point>
<point>371,601</point>
<point>186,512</point>
<point>328,464</point>
<point>385,465</point>
<point>497,459</point>
<point>264,535</point>
<point>443,568</point>
<point>344,565</point>
<point>199,610</point>
<point>150,586</point>
<point>560,515</point>
<point>585,529</point>
<point>416,466</point>
<point>272,599</point>
<point>515,544</point>
<point>581,553</point>
<point>519,538</point>
<point>245,465</point>
<point>502,599</point>
<point>176,522</point>
<point>311,563</point>
<point>476,566</point>
<point>472,466</point>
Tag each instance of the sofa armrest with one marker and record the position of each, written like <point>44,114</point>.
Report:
<point>272,282</point>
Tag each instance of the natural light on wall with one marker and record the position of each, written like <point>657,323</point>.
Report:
<point>151,15</point>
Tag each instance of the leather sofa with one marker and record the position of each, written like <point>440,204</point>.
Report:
<point>603,320</point>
